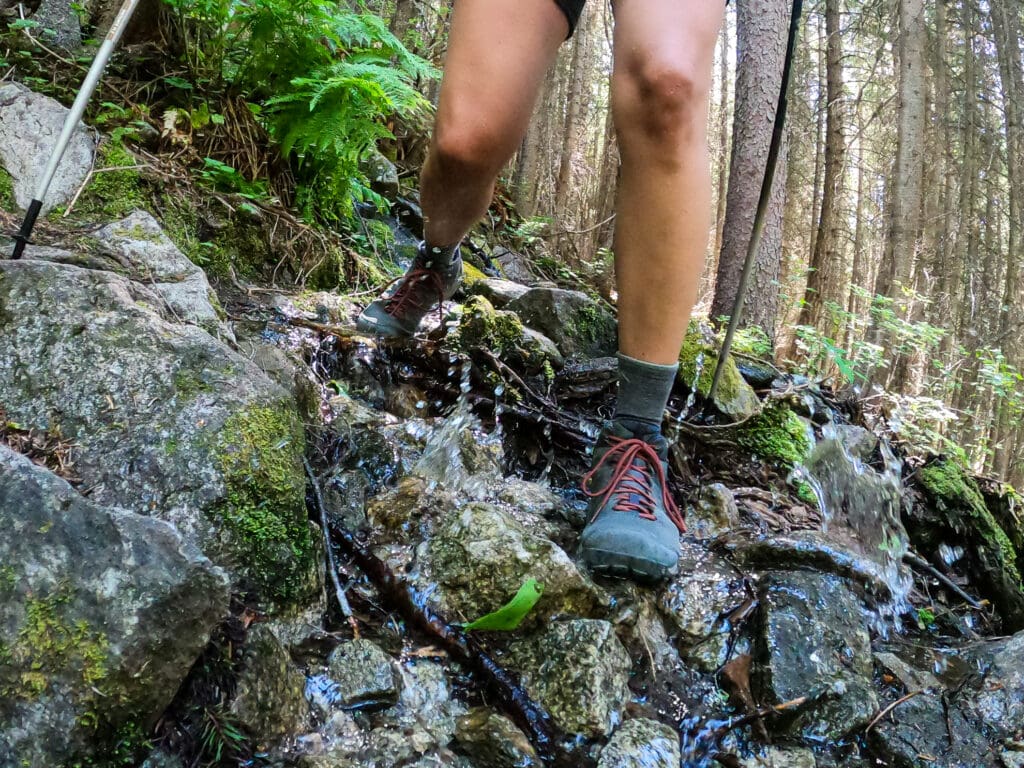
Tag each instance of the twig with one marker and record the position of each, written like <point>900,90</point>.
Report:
<point>891,707</point>
<point>89,176</point>
<point>920,563</point>
<point>332,565</point>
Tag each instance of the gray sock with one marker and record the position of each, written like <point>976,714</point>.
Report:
<point>438,257</point>
<point>643,390</point>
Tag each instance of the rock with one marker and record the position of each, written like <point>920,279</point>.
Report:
<point>480,556</point>
<point>363,673</point>
<point>499,292</point>
<point>513,266</point>
<point>697,603</point>
<point>269,701</point>
<point>502,333</point>
<point>815,639</point>
<point>30,124</point>
<point>999,702</point>
<point>578,670</point>
<point>577,324</point>
<point>382,173</point>
<point>912,678</point>
<point>714,513</point>
<point>160,759</point>
<point>102,613</point>
<point>780,757</point>
<point>1012,759</point>
<point>59,22</point>
<point>139,243</point>
<point>698,359</point>
<point>165,419</point>
<point>491,740</point>
<point>924,733</point>
<point>424,717</point>
<point>642,743</point>
<point>953,512</point>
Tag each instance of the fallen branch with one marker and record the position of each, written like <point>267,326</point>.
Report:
<point>915,561</point>
<point>890,708</point>
<point>332,565</point>
<point>547,739</point>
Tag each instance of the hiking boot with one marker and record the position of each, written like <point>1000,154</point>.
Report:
<point>634,525</point>
<point>425,285</point>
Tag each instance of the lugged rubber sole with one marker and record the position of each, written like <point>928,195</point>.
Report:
<point>620,566</point>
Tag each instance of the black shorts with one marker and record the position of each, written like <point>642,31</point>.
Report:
<point>572,10</point>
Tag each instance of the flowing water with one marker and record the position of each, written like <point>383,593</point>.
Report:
<point>860,506</point>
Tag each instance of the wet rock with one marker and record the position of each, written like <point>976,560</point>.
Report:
<point>578,670</point>
<point>1000,700</point>
<point>102,613</point>
<point>139,244</point>
<point>499,292</point>
<point>502,333</point>
<point>714,513</point>
<point>698,358</point>
<point>165,419</point>
<point>1012,758</point>
<point>513,266</point>
<point>29,126</point>
<point>577,324</point>
<point>363,673</point>
<point>481,555</point>
<point>910,677</point>
<point>780,757</point>
<point>383,175</point>
<point>160,759</point>
<point>641,743</point>
<point>424,717</point>
<point>491,740</point>
<point>924,733</point>
<point>269,702</point>
<point>697,603</point>
<point>815,640</point>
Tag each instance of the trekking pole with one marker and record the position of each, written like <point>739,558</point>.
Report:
<point>762,204</point>
<point>92,78</point>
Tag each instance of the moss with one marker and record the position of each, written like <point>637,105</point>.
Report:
<point>471,275</point>
<point>698,359</point>
<point>951,487</point>
<point>482,326</point>
<point>187,384</point>
<point>776,434</point>
<point>112,194</point>
<point>589,324</point>
<point>752,341</point>
<point>259,451</point>
<point>47,644</point>
<point>7,201</point>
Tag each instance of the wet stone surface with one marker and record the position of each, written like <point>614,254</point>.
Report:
<point>363,673</point>
<point>641,743</point>
<point>493,741</point>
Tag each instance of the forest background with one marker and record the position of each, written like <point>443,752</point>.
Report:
<point>891,258</point>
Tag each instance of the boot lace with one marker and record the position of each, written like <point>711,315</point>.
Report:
<point>406,297</point>
<point>630,483</point>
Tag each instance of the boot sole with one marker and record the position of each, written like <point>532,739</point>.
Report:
<point>619,566</point>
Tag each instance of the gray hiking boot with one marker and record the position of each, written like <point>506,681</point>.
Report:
<point>424,286</point>
<point>635,525</point>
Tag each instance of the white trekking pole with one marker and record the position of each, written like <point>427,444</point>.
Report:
<point>77,110</point>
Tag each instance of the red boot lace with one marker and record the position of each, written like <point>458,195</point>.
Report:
<point>630,484</point>
<point>404,297</point>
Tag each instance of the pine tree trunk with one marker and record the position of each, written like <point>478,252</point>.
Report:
<point>761,28</point>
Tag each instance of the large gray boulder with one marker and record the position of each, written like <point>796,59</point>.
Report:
<point>579,326</point>
<point>29,126</point>
<point>139,244</point>
<point>102,613</point>
<point>165,420</point>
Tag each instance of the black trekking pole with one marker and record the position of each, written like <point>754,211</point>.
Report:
<point>762,204</point>
<point>92,78</point>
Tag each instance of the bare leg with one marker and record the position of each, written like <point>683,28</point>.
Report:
<point>664,51</point>
<point>498,54</point>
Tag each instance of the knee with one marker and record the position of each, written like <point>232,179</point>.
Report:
<point>662,101</point>
<point>467,149</point>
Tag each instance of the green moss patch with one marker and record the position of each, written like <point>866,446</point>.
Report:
<point>7,201</point>
<point>112,194</point>
<point>259,452</point>
<point>776,434</point>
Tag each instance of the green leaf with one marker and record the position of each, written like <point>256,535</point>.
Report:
<point>510,615</point>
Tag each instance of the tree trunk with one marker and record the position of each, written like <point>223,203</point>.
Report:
<point>761,28</point>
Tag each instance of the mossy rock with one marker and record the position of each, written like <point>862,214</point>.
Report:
<point>698,359</point>
<point>7,201</point>
<point>112,194</point>
<point>776,435</point>
<point>953,512</point>
<point>502,333</point>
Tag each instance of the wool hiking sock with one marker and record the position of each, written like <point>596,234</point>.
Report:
<point>643,391</point>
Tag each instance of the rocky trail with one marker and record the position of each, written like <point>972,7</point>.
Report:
<point>171,456</point>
